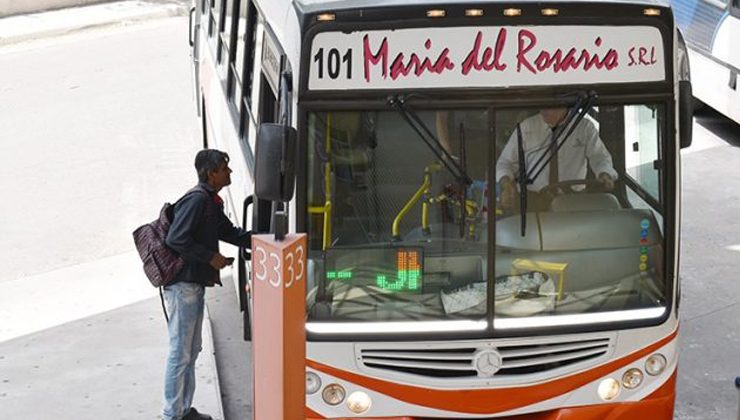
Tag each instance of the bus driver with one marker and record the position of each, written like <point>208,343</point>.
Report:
<point>570,163</point>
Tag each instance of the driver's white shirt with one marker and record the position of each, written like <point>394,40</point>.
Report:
<point>583,145</point>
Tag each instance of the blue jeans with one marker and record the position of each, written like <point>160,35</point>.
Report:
<point>185,309</point>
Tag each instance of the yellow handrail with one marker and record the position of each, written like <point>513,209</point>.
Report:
<point>326,208</point>
<point>424,189</point>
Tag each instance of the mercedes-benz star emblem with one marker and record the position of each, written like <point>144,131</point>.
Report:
<point>487,362</point>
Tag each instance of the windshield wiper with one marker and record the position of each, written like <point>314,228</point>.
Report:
<point>579,110</point>
<point>398,103</point>
<point>526,177</point>
<point>463,187</point>
<point>522,180</point>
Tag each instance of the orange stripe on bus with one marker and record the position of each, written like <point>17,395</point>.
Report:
<point>658,405</point>
<point>482,401</point>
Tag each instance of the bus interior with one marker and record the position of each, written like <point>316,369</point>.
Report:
<point>400,214</point>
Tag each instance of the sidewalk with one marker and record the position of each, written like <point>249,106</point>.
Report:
<point>90,342</point>
<point>21,28</point>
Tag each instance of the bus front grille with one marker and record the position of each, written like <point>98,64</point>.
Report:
<point>458,360</point>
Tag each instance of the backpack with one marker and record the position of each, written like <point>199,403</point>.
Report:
<point>161,263</point>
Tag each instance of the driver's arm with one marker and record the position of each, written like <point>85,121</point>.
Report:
<point>599,158</point>
<point>506,166</point>
<point>443,133</point>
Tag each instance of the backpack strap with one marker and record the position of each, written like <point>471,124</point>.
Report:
<point>195,189</point>
<point>164,308</point>
<point>171,207</point>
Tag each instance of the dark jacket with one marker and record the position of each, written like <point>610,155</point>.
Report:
<point>198,225</point>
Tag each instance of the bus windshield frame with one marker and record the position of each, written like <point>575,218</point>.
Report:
<point>487,326</point>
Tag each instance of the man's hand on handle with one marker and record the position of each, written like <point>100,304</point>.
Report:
<point>508,192</point>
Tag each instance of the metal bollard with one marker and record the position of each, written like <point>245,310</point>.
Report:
<point>737,386</point>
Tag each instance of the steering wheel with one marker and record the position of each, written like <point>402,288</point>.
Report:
<point>566,187</point>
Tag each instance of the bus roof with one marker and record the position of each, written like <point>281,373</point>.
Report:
<point>313,6</point>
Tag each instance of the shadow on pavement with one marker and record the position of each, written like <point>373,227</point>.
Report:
<point>719,125</point>
<point>110,365</point>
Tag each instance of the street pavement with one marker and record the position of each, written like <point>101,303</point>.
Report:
<point>86,339</point>
<point>29,27</point>
<point>710,304</point>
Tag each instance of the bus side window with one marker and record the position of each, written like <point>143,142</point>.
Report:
<point>244,53</point>
<point>231,33</point>
<point>641,148</point>
<point>211,5</point>
<point>268,102</point>
<point>218,8</point>
<point>643,166</point>
<point>252,50</point>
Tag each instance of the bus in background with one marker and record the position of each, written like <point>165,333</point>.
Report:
<point>426,298</point>
<point>711,29</point>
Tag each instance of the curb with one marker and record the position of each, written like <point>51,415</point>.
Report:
<point>23,28</point>
<point>208,333</point>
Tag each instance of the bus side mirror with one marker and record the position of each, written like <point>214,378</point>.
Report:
<point>685,112</point>
<point>274,167</point>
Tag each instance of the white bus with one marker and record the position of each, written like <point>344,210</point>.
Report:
<point>712,30</point>
<point>426,296</point>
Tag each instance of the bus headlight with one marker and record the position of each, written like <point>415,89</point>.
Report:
<point>655,364</point>
<point>333,394</point>
<point>632,378</point>
<point>358,402</point>
<point>313,383</point>
<point>609,389</point>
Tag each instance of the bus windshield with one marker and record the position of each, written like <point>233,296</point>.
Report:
<point>395,236</point>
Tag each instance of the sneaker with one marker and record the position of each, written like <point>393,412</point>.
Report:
<point>193,414</point>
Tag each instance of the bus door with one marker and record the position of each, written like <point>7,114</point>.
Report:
<point>267,76</point>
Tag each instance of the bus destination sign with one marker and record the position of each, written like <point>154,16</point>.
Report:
<point>480,57</point>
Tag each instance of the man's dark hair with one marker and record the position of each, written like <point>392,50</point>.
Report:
<point>208,160</point>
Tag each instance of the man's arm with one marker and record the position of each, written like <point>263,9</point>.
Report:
<point>227,232</point>
<point>188,214</point>
<point>599,158</point>
<point>443,134</point>
<point>508,162</point>
<point>506,166</point>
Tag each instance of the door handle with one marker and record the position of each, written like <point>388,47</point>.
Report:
<point>246,252</point>
<point>245,255</point>
<point>191,39</point>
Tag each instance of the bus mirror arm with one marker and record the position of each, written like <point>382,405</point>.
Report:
<point>286,88</point>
